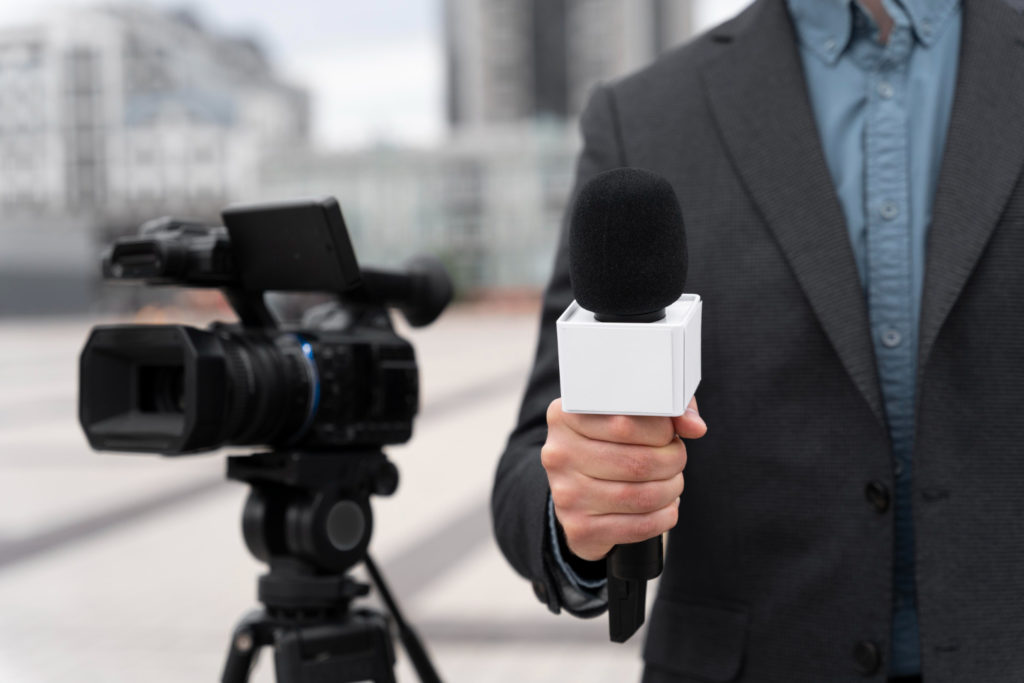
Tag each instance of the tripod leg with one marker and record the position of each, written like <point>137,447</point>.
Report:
<point>248,637</point>
<point>413,645</point>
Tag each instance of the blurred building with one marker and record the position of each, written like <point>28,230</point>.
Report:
<point>120,110</point>
<point>487,205</point>
<point>519,61</point>
<point>110,115</point>
<point>490,199</point>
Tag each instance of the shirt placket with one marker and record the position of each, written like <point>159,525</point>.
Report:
<point>890,281</point>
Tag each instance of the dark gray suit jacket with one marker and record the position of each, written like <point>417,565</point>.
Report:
<point>780,568</point>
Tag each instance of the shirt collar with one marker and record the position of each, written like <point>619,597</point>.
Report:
<point>825,26</point>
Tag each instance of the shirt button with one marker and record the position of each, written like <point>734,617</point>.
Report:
<point>898,469</point>
<point>878,495</point>
<point>829,45</point>
<point>926,28</point>
<point>867,657</point>
<point>885,90</point>
<point>889,210</point>
<point>891,338</point>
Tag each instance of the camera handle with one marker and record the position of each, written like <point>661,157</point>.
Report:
<point>251,308</point>
<point>308,517</point>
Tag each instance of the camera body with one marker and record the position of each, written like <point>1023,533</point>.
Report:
<point>344,380</point>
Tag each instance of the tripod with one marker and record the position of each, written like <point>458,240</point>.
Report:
<point>308,517</point>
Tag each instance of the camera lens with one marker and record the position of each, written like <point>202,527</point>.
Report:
<point>272,388</point>
<point>174,389</point>
<point>161,388</point>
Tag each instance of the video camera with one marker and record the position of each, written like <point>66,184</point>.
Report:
<point>344,379</point>
<point>324,397</point>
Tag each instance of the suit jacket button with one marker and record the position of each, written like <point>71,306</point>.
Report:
<point>541,591</point>
<point>878,495</point>
<point>867,657</point>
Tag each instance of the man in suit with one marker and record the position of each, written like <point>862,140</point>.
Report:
<point>850,172</point>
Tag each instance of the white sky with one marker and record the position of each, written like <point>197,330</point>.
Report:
<point>375,67</point>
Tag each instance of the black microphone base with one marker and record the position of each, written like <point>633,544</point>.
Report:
<point>649,317</point>
<point>627,601</point>
<point>630,566</point>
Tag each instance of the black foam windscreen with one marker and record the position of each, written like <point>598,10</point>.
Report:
<point>627,245</point>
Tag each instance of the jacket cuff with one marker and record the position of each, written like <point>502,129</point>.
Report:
<point>581,596</point>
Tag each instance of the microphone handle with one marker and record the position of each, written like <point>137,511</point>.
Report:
<point>630,567</point>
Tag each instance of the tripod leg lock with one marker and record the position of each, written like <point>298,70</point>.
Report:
<point>250,635</point>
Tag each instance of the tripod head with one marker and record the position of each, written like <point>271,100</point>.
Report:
<point>312,507</point>
<point>308,517</point>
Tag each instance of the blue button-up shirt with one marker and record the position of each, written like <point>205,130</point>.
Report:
<point>882,112</point>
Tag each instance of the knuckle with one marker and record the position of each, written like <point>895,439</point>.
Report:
<point>576,532</point>
<point>620,428</point>
<point>551,456</point>
<point>563,495</point>
<point>554,412</point>
<point>664,433</point>
<point>671,516</point>
<point>637,466</point>
<point>681,455</point>
<point>645,527</point>
<point>644,499</point>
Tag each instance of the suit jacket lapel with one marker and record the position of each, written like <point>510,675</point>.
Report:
<point>983,157</point>
<point>758,96</point>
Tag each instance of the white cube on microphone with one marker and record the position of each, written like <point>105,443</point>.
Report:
<point>630,368</point>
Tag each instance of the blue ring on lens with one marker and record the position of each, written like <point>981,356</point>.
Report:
<point>314,377</point>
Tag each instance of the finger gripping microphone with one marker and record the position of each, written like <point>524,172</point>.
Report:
<point>630,342</point>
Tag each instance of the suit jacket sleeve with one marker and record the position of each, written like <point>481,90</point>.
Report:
<point>520,496</point>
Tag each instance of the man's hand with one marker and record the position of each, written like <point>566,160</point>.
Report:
<point>614,478</point>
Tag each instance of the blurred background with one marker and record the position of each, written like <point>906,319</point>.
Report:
<point>442,126</point>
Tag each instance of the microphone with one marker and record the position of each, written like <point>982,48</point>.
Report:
<point>627,246</point>
<point>630,342</point>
